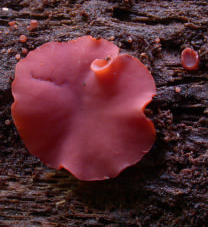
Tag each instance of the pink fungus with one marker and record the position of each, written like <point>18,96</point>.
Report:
<point>23,38</point>
<point>177,89</point>
<point>24,51</point>
<point>80,106</point>
<point>33,25</point>
<point>157,40</point>
<point>12,23</point>
<point>18,57</point>
<point>190,59</point>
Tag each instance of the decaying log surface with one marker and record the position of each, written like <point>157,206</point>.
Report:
<point>169,186</point>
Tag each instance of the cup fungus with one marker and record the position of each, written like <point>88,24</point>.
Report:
<point>80,106</point>
<point>190,59</point>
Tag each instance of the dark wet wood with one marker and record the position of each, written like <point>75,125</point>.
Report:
<point>169,186</point>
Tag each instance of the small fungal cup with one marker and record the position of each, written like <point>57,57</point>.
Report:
<point>190,59</point>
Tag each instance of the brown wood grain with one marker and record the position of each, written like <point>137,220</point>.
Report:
<point>169,186</point>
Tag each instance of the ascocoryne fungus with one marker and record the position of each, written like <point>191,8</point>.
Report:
<point>190,59</point>
<point>80,106</point>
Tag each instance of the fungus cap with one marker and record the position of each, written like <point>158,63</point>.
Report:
<point>190,59</point>
<point>80,106</point>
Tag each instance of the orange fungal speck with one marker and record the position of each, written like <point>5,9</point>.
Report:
<point>23,38</point>
<point>34,24</point>
<point>18,57</point>
<point>177,89</point>
<point>24,51</point>
<point>12,23</point>
<point>190,59</point>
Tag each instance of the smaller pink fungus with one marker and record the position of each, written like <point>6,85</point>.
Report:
<point>12,23</point>
<point>190,59</point>
<point>24,51</point>
<point>157,40</point>
<point>18,57</point>
<point>80,106</point>
<point>33,25</point>
<point>23,38</point>
<point>177,89</point>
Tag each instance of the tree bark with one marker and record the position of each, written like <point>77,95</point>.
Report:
<point>169,186</point>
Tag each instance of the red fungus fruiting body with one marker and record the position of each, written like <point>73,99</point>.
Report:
<point>80,106</point>
<point>23,38</point>
<point>24,51</point>
<point>190,59</point>
<point>33,25</point>
<point>12,23</point>
<point>18,57</point>
<point>177,89</point>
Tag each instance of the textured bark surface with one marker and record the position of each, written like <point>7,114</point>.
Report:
<point>169,186</point>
